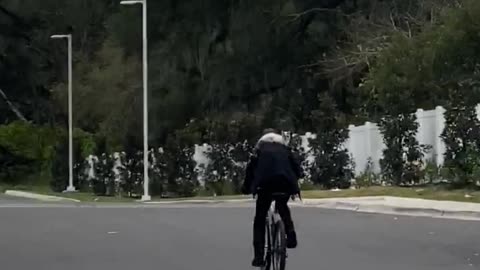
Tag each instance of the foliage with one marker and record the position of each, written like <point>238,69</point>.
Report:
<point>417,72</point>
<point>180,168</point>
<point>402,159</point>
<point>461,137</point>
<point>158,172</point>
<point>301,155</point>
<point>432,172</point>
<point>223,173</point>
<point>307,185</point>
<point>332,165</point>
<point>185,182</point>
<point>220,71</point>
<point>27,151</point>
<point>368,177</point>
<point>83,145</point>
<point>133,175</point>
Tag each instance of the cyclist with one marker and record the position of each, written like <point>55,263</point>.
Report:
<point>271,169</point>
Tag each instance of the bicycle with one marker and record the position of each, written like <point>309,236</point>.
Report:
<point>276,242</point>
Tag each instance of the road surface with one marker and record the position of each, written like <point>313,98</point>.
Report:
<point>218,238</point>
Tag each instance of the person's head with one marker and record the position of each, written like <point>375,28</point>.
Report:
<point>270,130</point>
<point>271,135</point>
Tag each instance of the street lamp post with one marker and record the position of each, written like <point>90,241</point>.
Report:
<point>70,187</point>
<point>146,196</point>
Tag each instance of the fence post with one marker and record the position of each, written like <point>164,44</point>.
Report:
<point>420,133</point>
<point>350,146</point>
<point>368,135</point>
<point>439,127</point>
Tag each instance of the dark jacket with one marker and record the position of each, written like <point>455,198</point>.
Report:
<point>272,167</point>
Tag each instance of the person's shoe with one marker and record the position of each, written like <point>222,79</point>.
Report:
<point>292,240</point>
<point>258,262</point>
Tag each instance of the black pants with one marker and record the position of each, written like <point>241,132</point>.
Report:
<point>264,200</point>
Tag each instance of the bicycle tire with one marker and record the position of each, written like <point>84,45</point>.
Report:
<point>269,248</point>
<point>279,256</point>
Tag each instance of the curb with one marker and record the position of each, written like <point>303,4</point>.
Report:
<point>30,195</point>
<point>372,205</point>
<point>199,201</point>
<point>405,211</point>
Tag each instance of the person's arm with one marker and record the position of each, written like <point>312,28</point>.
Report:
<point>249,175</point>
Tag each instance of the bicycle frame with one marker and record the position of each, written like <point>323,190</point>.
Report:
<point>273,217</point>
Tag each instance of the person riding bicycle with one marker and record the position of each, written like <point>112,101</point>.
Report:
<point>271,169</point>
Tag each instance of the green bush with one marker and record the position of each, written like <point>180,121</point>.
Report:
<point>332,167</point>
<point>158,173</point>
<point>402,159</point>
<point>368,177</point>
<point>83,146</point>
<point>432,173</point>
<point>461,137</point>
<point>307,185</point>
<point>26,153</point>
<point>180,167</point>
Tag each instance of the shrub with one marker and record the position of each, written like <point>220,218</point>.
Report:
<point>368,177</point>
<point>332,167</point>
<point>301,155</point>
<point>83,145</point>
<point>133,175</point>
<point>402,159</point>
<point>26,152</point>
<point>432,172</point>
<point>461,137</point>
<point>158,172</point>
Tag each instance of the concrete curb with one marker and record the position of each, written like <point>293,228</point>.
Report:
<point>398,210</point>
<point>199,201</point>
<point>30,195</point>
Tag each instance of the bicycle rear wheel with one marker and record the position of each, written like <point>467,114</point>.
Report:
<point>279,254</point>
<point>269,244</point>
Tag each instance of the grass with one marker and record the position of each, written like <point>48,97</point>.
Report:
<point>81,196</point>
<point>432,193</point>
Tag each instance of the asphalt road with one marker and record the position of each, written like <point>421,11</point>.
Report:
<point>202,237</point>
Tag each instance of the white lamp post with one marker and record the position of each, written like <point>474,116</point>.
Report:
<point>70,187</point>
<point>146,196</point>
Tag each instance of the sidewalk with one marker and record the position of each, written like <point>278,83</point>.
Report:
<point>36,196</point>
<point>400,206</point>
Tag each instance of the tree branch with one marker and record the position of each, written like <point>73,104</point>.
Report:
<point>17,19</point>
<point>12,107</point>
<point>296,16</point>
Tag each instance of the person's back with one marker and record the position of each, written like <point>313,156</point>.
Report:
<point>272,169</point>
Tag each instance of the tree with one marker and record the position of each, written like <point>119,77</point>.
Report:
<point>416,72</point>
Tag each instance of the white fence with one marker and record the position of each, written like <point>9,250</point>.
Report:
<point>366,141</point>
